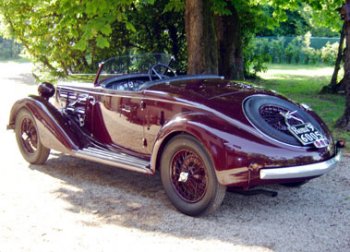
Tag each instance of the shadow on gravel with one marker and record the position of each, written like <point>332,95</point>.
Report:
<point>134,200</point>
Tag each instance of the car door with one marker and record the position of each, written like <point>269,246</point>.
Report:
<point>120,115</point>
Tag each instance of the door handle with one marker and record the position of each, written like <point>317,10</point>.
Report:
<point>126,109</point>
<point>142,105</point>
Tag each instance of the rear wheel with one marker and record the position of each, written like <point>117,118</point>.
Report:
<point>28,139</point>
<point>189,178</point>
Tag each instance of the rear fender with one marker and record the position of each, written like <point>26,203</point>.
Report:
<point>198,125</point>
<point>55,131</point>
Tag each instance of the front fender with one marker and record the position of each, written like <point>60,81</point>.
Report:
<point>55,131</point>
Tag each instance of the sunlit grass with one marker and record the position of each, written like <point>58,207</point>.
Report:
<point>303,84</point>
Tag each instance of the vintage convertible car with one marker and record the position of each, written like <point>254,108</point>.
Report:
<point>202,133</point>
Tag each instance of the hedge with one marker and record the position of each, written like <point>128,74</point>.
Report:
<point>288,50</point>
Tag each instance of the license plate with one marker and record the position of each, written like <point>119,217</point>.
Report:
<point>307,134</point>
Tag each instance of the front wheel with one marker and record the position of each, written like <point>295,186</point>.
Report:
<point>189,178</point>
<point>28,140</point>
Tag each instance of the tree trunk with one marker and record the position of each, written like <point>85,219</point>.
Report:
<point>201,38</point>
<point>231,64</point>
<point>344,121</point>
<point>334,86</point>
<point>339,57</point>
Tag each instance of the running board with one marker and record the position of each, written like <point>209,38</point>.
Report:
<point>120,160</point>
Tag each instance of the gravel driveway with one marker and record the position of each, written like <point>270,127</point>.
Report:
<point>74,205</point>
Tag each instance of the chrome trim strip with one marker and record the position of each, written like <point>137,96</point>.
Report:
<point>310,170</point>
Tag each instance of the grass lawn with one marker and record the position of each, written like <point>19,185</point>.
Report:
<point>302,84</point>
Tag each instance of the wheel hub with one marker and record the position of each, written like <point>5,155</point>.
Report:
<point>29,136</point>
<point>25,136</point>
<point>183,177</point>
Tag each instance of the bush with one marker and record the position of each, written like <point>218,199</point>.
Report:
<point>276,50</point>
<point>329,53</point>
<point>292,51</point>
<point>256,57</point>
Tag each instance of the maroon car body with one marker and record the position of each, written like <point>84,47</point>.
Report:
<point>203,133</point>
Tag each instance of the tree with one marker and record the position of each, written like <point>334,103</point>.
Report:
<point>167,29</point>
<point>344,121</point>
<point>234,24</point>
<point>215,35</point>
<point>65,36</point>
<point>73,36</point>
<point>334,86</point>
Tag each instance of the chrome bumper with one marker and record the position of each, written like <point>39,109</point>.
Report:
<point>310,170</point>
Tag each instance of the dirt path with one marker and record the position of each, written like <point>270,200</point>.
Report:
<point>74,205</point>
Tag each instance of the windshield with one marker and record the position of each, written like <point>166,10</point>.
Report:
<point>128,64</point>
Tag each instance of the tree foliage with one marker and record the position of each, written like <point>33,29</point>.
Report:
<point>157,29</point>
<point>64,35</point>
<point>72,36</point>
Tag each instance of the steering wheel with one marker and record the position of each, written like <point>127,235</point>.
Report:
<point>153,71</point>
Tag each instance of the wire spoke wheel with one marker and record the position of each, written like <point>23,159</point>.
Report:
<point>189,178</point>
<point>28,139</point>
<point>29,136</point>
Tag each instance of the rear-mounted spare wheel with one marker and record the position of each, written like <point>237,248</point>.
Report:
<point>267,112</point>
